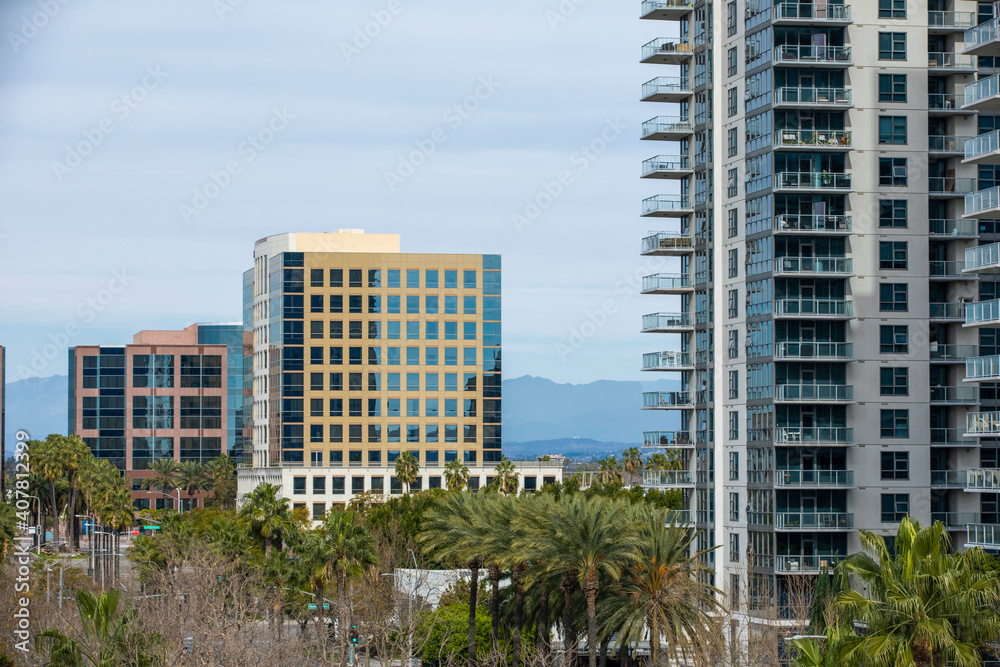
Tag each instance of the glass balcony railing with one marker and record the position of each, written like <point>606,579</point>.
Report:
<point>981,90</point>
<point>983,33</point>
<point>982,535</point>
<point>809,349</point>
<point>953,227</point>
<point>982,479</point>
<point>982,144</point>
<point>798,54</point>
<point>666,439</point>
<point>661,282</point>
<point>812,96</point>
<point>800,265</point>
<point>947,311</point>
<point>813,478</point>
<point>679,516</point>
<point>666,85</point>
<point>982,312</point>
<point>666,163</point>
<point>951,61</point>
<point>820,435</point>
<point>814,392</point>
<point>812,223</point>
<point>807,11</point>
<point>666,321</point>
<point>666,125</point>
<point>669,360</point>
<point>980,369</point>
<point>665,203</point>
<point>813,138</point>
<point>665,46</point>
<point>955,395</point>
<point>667,241</point>
<point>951,436</point>
<point>952,353</point>
<point>954,479</point>
<point>815,520</point>
<point>948,269</point>
<point>946,143</point>
<point>811,180</point>
<point>813,307</point>
<point>948,185</point>
<point>982,201</point>
<point>666,399</point>
<point>956,20</point>
<point>666,478</point>
<point>982,257</point>
<point>982,423</point>
<point>799,563</point>
<point>945,101</point>
<point>955,519</point>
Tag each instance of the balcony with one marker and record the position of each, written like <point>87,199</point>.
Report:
<point>955,519</point>
<point>814,479</point>
<point>666,128</point>
<point>667,166</point>
<point>952,437</point>
<point>799,13</point>
<point>811,350</point>
<point>942,395</point>
<point>984,535</point>
<point>982,313</point>
<point>942,353</point>
<point>983,369</point>
<point>983,258</point>
<point>791,223</point>
<point>665,51</point>
<point>982,149</point>
<point>947,312</point>
<point>666,479</point>
<point>947,145</point>
<point>982,95</point>
<point>949,186</point>
<point>666,400</point>
<point>814,435</point>
<point>806,55</point>
<point>814,139</point>
<point>668,243</point>
<point>800,564</point>
<point>669,360</point>
<point>814,308</point>
<point>813,266</point>
<point>667,323</point>
<point>982,424</point>
<point>983,39</point>
<point>666,206</point>
<point>984,204</point>
<point>939,23</point>
<point>947,479</point>
<point>665,10</point>
<point>946,104</point>
<point>949,270</point>
<point>982,479</point>
<point>667,89</point>
<point>667,439</point>
<point>804,181</point>
<point>814,393</point>
<point>666,283</point>
<point>954,227</point>
<point>792,96</point>
<point>951,63</point>
<point>814,521</point>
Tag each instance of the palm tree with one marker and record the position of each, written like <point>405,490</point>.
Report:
<point>506,477</point>
<point>75,454</point>
<point>316,557</point>
<point>267,515</point>
<point>407,469</point>
<point>8,531</point>
<point>192,478</point>
<point>223,472</point>
<point>352,551</point>
<point>656,461</point>
<point>632,462</point>
<point>118,513</point>
<point>610,470</point>
<point>586,538</point>
<point>456,475</point>
<point>166,475</point>
<point>47,460</point>
<point>922,606</point>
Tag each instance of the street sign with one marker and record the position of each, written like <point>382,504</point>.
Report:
<point>312,606</point>
<point>150,527</point>
<point>135,531</point>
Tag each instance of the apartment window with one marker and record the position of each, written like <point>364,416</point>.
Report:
<point>731,61</point>
<point>892,9</point>
<point>731,18</point>
<point>299,486</point>
<point>733,263</point>
<point>731,101</point>
<point>734,424</point>
<point>892,46</point>
<point>734,593</point>
<point>734,349</point>
<point>734,506</point>
<point>734,299</point>
<point>894,381</point>
<point>734,548</point>
<point>734,466</point>
<point>892,171</point>
<point>892,213</point>
<point>894,339</point>
<point>892,297</point>
<point>895,507</point>
<point>734,387</point>
<point>891,87</point>
<point>892,255</point>
<point>731,139</point>
<point>895,424</point>
<point>732,187</point>
<point>896,465</point>
<point>892,129</point>
<point>733,219</point>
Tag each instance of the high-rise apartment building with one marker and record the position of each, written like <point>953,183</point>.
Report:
<point>168,394</point>
<point>823,169</point>
<point>359,353</point>
<point>3,418</point>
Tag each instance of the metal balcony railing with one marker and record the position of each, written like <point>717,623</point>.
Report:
<point>813,478</point>
<point>805,564</point>
<point>982,423</point>
<point>812,96</point>
<point>809,53</point>
<point>666,163</point>
<point>812,180</point>
<point>983,33</point>
<point>810,349</point>
<point>812,223</point>
<point>813,307</point>
<point>811,12</point>
<point>945,101</point>
<point>815,520</point>
<point>948,185</point>
<point>949,353</point>
<point>813,265</point>
<point>982,312</point>
<point>834,435</point>
<point>814,392</point>
<point>953,227</point>
<point>951,61</point>
<point>982,257</point>
<point>982,535</point>
<point>663,203</point>
<point>667,478</point>
<point>666,85</point>
<point>982,479</point>
<point>664,45</point>
<point>666,439</point>
<point>666,399</point>
<point>666,125</point>
<point>959,395</point>
<point>665,281</point>
<point>669,360</point>
<point>813,138</point>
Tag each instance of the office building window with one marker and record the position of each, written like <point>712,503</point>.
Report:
<point>892,297</point>
<point>892,255</point>
<point>895,507</point>
<point>336,277</point>
<point>892,45</point>
<point>894,381</point>
<point>894,339</point>
<point>299,486</point>
<point>896,465</point>
<point>895,424</point>
<point>892,129</point>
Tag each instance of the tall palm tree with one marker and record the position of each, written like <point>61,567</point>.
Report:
<point>922,605</point>
<point>118,513</point>
<point>586,538</point>
<point>267,515</point>
<point>223,472</point>
<point>352,551</point>
<point>75,454</point>
<point>47,460</point>
<point>493,523</point>
<point>456,475</point>
<point>166,476</point>
<point>407,469</point>
<point>656,461</point>
<point>609,470</point>
<point>632,462</point>
<point>316,557</point>
<point>192,478</point>
<point>506,477</point>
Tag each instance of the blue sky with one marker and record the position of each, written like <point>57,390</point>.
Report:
<point>144,147</point>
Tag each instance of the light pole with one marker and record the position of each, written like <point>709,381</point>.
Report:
<point>38,537</point>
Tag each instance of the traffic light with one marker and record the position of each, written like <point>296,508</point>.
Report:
<point>354,634</point>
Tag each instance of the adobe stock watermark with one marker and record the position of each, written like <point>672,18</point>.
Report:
<point>248,150</point>
<point>365,34</point>
<point>453,117</point>
<point>22,553</point>
<point>121,108</point>
<point>223,7</point>
<point>581,159</point>
<point>33,24</point>
<point>87,311</point>
<point>566,8</point>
